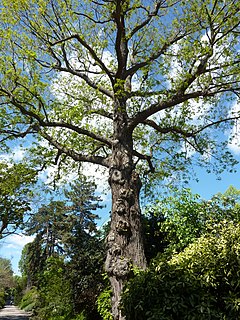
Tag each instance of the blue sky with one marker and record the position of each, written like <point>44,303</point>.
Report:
<point>209,185</point>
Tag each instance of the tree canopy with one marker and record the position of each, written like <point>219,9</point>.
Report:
<point>64,63</point>
<point>6,281</point>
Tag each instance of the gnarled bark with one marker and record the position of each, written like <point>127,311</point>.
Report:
<point>125,243</point>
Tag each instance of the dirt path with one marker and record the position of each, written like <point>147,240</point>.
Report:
<point>13,313</point>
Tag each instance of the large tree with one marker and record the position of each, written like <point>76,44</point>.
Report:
<point>124,84</point>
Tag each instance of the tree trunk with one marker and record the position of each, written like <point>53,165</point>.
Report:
<point>125,242</point>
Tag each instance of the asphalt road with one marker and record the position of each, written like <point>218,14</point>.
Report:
<point>13,313</point>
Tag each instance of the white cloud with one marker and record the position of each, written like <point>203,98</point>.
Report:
<point>11,246</point>
<point>18,240</point>
<point>234,135</point>
<point>17,154</point>
<point>188,150</point>
<point>100,176</point>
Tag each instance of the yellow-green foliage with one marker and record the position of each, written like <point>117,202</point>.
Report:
<point>29,300</point>
<point>104,304</point>
<point>2,299</point>
<point>202,282</point>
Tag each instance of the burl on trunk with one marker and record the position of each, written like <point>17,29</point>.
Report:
<point>125,241</point>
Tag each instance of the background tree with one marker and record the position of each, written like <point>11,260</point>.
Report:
<point>16,182</point>
<point>6,273</point>
<point>84,246</point>
<point>6,281</point>
<point>55,291</point>
<point>20,288</point>
<point>155,236</point>
<point>186,217</point>
<point>49,223</point>
<point>67,251</point>
<point>130,71</point>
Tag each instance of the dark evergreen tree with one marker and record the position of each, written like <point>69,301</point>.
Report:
<point>68,229</point>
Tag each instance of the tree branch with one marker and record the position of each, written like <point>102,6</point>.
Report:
<point>91,19</point>
<point>83,76</point>
<point>103,113</point>
<point>72,154</point>
<point>165,130</point>
<point>81,131</point>
<point>69,69</point>
<point>16,134</point>
<point>90,50</point>
<point>131,71</point>
<point>50,124</point>
<point>121,43</point>
<point>215,123</point>
<point>223,65</point>
<point>146,158</point>
<point>146,21</point>
<point>176,99</point>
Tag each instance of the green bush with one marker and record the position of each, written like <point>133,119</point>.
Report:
<point>29,300</point>
<point>104,304</point>
<point>55,301</point>
<point>201,283</point>
<point>2,299</point>
<point>80,317</point>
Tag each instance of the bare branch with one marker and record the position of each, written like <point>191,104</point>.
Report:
<point>216,123</point>
<point>16,134</point>
<point>146,21</point>
<point>83,76</point>
<point>91,19</point>
<point>223,65</point>
<point>176,99</point>
<point>188,134</point>
<point>94,136</point>
<point>103,113</point>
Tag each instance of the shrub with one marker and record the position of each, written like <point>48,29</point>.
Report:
<point>104,304</point>
<point>202,282</point>
<point>55,292</point>
<point>2,299</point>
<point>29,300</point>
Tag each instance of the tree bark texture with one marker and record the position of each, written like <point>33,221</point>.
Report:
<point>125,242</point>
